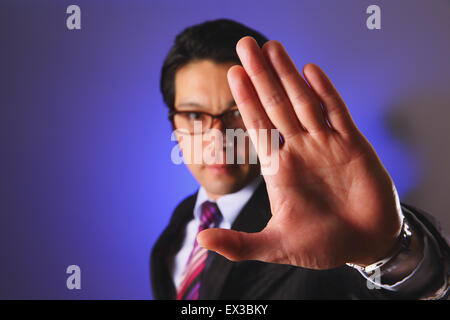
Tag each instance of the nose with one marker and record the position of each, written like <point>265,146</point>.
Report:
<point>217,123</point>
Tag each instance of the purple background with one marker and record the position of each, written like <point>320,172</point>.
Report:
<point>86,176</point>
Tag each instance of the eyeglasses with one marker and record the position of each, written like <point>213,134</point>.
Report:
<point>184,119</point>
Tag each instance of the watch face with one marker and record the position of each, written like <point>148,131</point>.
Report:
<point>406,234</point>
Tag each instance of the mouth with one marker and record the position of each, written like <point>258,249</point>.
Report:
<point>220,168</point>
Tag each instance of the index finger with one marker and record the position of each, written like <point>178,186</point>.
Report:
<point>271,94</point>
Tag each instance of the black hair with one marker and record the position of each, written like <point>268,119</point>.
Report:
<point>214,40</point>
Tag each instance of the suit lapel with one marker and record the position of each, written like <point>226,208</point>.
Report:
<point>253,218</point>
<point>165,249</point>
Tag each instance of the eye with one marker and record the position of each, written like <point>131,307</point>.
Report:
<point>235,113</point>
<point>195,116</point>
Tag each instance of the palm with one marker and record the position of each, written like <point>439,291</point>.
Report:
<point>324,195</point>
<point>332,200</point>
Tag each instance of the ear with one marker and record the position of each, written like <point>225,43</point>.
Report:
<point>185,145</point>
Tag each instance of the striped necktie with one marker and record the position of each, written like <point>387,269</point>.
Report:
<point>191,278</point>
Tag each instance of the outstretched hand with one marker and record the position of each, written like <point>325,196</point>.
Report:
<point>332,201</point>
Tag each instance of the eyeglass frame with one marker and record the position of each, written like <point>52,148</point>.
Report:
<point>213,116</point>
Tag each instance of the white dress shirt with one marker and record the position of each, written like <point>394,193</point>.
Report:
<point>229,205</point>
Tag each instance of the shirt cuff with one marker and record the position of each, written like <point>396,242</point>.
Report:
<point>424,277</point>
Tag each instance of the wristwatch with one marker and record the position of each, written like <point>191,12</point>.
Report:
<point>404,239</point>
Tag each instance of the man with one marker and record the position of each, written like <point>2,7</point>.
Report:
<point>326,224</point>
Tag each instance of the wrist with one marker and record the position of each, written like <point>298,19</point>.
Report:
<point>400,249</point>
<point>406,261</point>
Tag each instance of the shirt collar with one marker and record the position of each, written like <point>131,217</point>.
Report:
<point>230,204</point>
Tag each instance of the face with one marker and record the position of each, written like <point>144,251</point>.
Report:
<point>202,86</point>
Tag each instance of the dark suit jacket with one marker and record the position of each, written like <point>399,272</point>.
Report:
<point>223,279</point>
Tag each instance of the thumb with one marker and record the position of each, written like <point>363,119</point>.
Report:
<point>236,245</point>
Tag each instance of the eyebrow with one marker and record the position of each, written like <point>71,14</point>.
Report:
<point>230,104</point>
